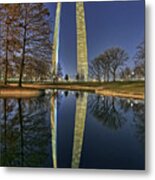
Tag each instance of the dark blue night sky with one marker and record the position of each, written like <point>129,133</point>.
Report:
<point>109,24</point>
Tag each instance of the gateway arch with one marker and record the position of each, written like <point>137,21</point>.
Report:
<point>81,34</point>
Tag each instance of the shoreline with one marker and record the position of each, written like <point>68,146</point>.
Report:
<point>14,92</point>
<point>120,94</point>
<point>133,90</point>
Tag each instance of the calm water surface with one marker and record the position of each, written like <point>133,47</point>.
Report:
<point>72,130</point>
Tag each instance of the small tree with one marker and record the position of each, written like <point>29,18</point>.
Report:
<point>140,54</point>
<point>77,77</point>
<point>139,71</point>
<point>60,71</point>
<point>140,61</point>
<point>126,74</point>
<point>66,77</point>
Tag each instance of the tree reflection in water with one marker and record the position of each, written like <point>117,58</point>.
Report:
<point>113,113</point>
<point>138,119</point>
<point>139,122</point>
<point>105,110</point>
<point>10,133</point>
<point>25,133</point>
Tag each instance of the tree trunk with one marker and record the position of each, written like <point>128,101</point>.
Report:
<point>99,78</point>
<point>23,59</point>
<point>6,57</point>
<point>108,77</point>
<point>107,73</point>
<point>5,126</point>
<point>21,132</point>
<point>114,77</point>
<point>104,77</point>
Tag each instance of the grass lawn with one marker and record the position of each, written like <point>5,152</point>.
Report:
<point>134,89</point>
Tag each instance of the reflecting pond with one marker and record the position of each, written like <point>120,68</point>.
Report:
<point>67,129</point>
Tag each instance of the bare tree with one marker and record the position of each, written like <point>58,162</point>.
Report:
<point>139,71</point>
<point>140,61</point>
<point>140,54</point>
<point>95,69</point>
<point>117,57</point>
<point>126,73</point>
<point>35,34</point>
<point>105,65</point>
<point>25,46</point>
<point>9,43</point>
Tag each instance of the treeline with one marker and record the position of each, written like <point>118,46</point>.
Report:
<point>112,64</point>
<point>25,45</point>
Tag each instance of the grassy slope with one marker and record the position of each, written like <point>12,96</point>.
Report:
<point>124,89</point>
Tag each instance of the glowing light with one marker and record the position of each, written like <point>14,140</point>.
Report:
<point>82,59</point>
<point>80,118</point>
<point>55,50</point>
<point>54,129</point>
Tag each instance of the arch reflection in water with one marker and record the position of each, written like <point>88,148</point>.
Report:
<point>53,117</point>
<point>80,118</point>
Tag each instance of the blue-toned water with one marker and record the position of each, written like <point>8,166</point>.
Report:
<point>67,129</point>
